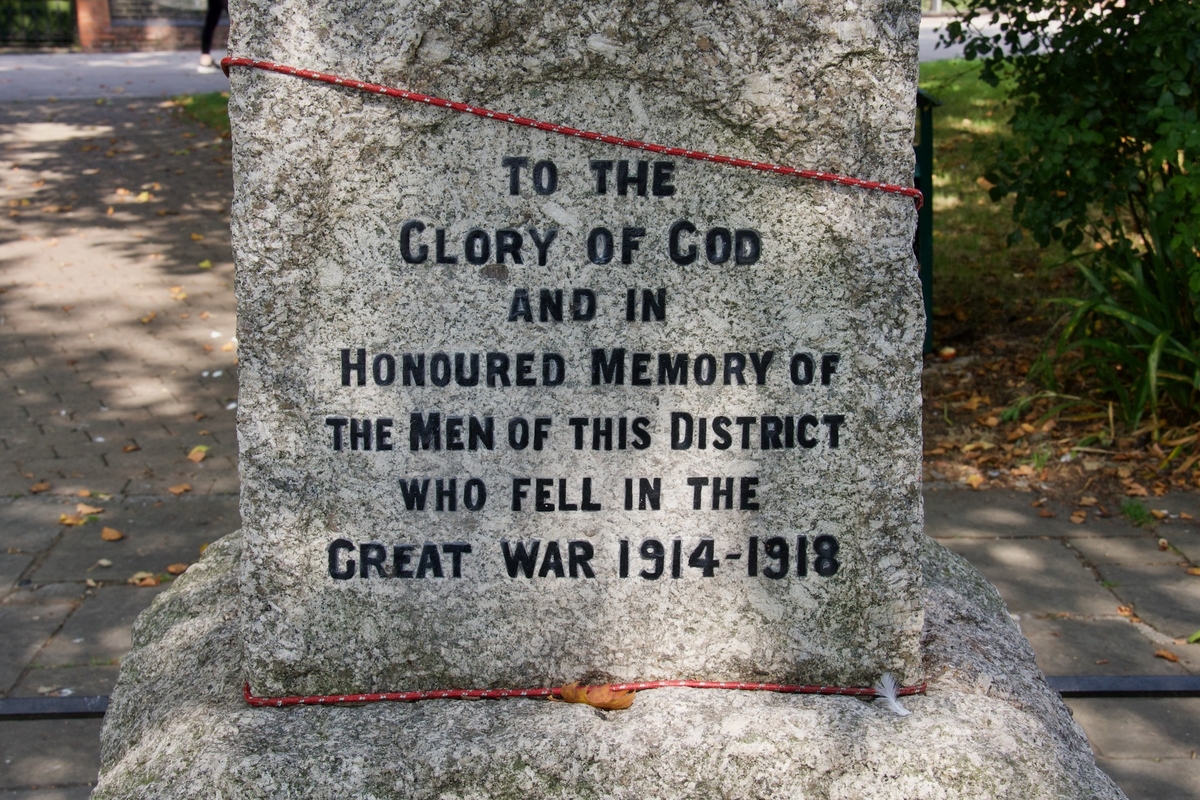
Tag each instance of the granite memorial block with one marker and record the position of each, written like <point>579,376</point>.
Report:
<point>519,407</point>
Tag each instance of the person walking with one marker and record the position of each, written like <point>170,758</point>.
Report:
<point>215,9</point>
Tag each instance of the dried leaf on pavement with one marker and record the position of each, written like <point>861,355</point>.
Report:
<point>179,488</point>
<point>197,453</point>
<point>146,320</point>
<point>39,487</point>
<point>1166,654</point>
<point>1135,489</point>
<point>130,448</point>
<point>1088,500</point>
<point>1078,517</point>
<point>1046,513</point>
<point>111,535</point>
<point>975,480</point>
<point>85,510</point>
<point>71,519</point>
<point>177,569</point>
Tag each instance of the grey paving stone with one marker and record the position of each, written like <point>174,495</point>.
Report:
<point>79,681</point>
<point>974,515</point>
<point>11,567</point>
<point>27,619</point>
<point>98,631</point>
<point>1141,549</point>
<point>30,524</point>
<point>77,792</point>
<point>1164,596</point>
<point>158,532</point>
<point>1155,779</point>
<point>49,753</point>
<point>1036,576</point>
<point>1184,538</point>
<point>1070,646</point>
<point>1140,727</point>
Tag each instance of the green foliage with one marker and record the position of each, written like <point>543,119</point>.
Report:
<point>1104,160</point>
<point>210,109</point>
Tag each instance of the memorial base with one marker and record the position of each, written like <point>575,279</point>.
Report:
<point>988,727</point>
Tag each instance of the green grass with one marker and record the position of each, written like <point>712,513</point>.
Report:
<point>211,110</point>
<point>978,277</point>
<point>1135,512</point>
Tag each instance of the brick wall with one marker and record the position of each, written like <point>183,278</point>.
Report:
<point>143,25</point>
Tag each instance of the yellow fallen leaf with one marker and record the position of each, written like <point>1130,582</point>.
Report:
<point>39,487</point>
<point>1185,515</point>
<point>130,448</point>
<point>228,347</point>
<point>1159,513</point>
<point>1027,428</point>
<point>146,320</point>
<point>1166,654</point>
<point>1193,571</point>
<point>84,509</point>
<point>197,453</point>
<point>111,535</point>
<point>197,237</point>
<point>110,211</point>
<point>146,582</point>
<point>179,488</point>
<point>1023,471</point>
<point>1079,517</point>
<point>144,197</point>
<point>989,422</point>
<point>71,519</point>
<point>203,547</point>
<point>1125,611</point>
<point>177,569</point>
<point>1135,489</point>
<point>84,493</point>
<point>1088,500</point>
<point>205,264</point>
<point>597,696</point>
<point>975,480</point>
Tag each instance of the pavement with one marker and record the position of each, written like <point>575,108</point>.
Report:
<point>118,356</point>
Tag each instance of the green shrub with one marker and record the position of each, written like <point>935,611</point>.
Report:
<point>1104,161</point>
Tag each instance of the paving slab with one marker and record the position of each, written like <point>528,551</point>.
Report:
<point>98,632</point>
<point>1140,727</point>
<point>1073,646</point>
<point>158,532</point>
<point>28,618</point>
<point>78,792</point>
<point>1164,596</point>
<point>61,755</point>
<point>1155,779</point>
<point>958,514</point>
<point>1139,549</point>
<point>1036,575</point>
<point>78,681</point>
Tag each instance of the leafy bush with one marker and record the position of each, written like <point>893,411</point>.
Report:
<point>1104,161</point>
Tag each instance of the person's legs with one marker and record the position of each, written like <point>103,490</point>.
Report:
<point>215,9</point>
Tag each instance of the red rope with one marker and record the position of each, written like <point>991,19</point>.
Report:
<point>565,130</point>
<point>497,694</point>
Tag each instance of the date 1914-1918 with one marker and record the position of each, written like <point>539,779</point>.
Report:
<point>772,557</point>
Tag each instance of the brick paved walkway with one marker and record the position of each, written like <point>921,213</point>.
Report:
<point>117,355</point>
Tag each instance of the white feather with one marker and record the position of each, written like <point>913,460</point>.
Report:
<point>886,688</point>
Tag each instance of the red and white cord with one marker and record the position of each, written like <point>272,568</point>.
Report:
<point>566,130</point>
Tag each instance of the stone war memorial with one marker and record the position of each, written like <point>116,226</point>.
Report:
<point>572,410</point>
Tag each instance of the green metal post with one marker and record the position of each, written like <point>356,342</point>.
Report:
<point>924,180</point>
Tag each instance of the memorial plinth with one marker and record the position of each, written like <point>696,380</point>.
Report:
<point>519,409</point>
